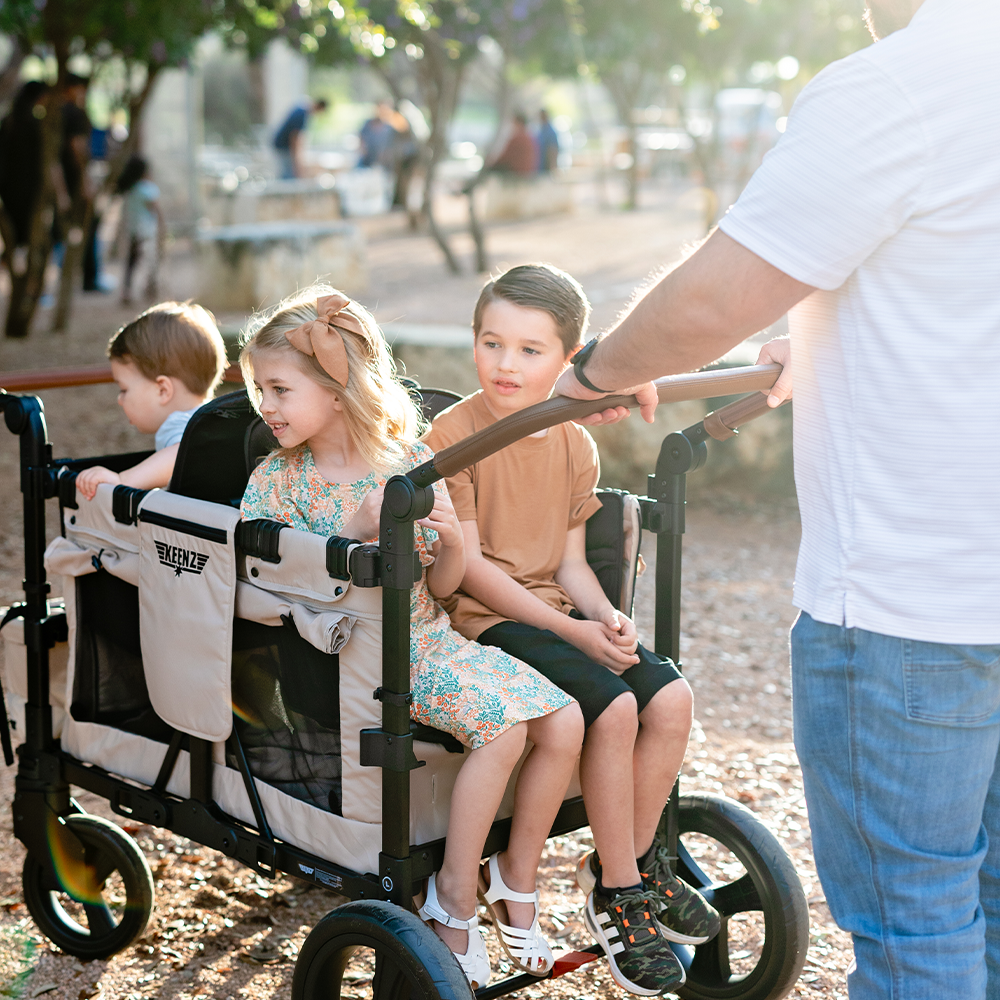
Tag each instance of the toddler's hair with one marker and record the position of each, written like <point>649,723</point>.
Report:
<point>540,286</point>
<point>178,339</point>
<point>378,408</point>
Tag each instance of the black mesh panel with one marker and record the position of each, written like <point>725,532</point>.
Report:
<point>109,686</point>
<point>286,705</point>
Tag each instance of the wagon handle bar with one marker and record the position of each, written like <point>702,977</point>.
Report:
<point>559,409</point>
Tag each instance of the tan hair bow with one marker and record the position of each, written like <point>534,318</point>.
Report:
<point>322,338</point>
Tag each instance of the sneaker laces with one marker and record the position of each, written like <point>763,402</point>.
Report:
<point>628,905</point>
<point>661,873</point>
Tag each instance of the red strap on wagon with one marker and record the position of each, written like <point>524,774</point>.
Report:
<point>570,961</point>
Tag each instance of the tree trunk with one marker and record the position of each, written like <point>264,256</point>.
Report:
<point>624,86</point>
<point>441,79</point>
<point>10,75</point>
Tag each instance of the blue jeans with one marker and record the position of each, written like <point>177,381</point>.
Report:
<point>898,743</point>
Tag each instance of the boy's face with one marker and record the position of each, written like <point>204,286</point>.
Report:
<point>143,400</point>
<point>518,356</point>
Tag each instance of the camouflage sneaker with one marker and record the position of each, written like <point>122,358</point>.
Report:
<point>641,960</point>
<point>683,915</point>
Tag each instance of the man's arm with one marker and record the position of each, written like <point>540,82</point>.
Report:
<point>717,298</point>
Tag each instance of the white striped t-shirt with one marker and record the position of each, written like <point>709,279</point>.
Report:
<point>884,193</point>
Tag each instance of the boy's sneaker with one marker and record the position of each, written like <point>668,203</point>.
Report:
<point>682,913</point>
<point>640,958</point>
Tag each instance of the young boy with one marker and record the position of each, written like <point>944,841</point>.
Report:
<point>166,362</point>
<point>529,590</point>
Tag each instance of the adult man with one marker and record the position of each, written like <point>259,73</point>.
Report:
<point>288,138</point>
<point>548,144</point>
<point>878,213</point>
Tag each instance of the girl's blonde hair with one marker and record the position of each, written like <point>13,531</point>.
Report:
<point>378,408</point>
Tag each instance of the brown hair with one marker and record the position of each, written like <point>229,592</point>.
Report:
<point>540,286</point>
<point>177,339</point>
<point>378,409</point>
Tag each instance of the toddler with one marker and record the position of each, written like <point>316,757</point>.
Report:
<point>322,378</point>
<point>166,363</point>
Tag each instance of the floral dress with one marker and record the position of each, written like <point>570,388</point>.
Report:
<point>473,692</point>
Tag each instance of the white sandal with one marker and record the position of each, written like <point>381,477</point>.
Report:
<point>527,949</point>
<point>475,962</point>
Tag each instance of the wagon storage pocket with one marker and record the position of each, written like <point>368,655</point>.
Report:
<point>187,593</point>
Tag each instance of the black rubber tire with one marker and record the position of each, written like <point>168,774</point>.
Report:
<point>770,885</point>
<point>411,961</point>
<point>110,929</point>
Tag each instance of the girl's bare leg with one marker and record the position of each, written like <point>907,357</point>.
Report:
<point>541,785</point>
<point>474,802</point>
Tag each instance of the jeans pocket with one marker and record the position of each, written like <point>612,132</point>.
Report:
<point>956,685</point>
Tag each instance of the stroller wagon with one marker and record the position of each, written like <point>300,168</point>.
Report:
<point>219,678</point>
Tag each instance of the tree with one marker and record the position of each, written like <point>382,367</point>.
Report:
<point>145,35</point>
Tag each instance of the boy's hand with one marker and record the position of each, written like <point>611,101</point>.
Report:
<point>600,642</point>
<point>365,524</point>
<point>444,521</point>
<point>88,480</point>
<point>624,634</point>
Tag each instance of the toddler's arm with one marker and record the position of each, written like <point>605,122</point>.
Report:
<point>148,474</point>
<point>494,588</point>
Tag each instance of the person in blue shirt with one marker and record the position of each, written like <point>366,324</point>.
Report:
<point>288,138</point>
<point>548,144</point>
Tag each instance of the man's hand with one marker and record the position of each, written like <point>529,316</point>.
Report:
<point>646,394</point>
<point>600,642</point>
<point>778,351</point>
<point>88,480</point>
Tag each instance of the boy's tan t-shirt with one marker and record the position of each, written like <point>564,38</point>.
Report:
<point>525,499</point>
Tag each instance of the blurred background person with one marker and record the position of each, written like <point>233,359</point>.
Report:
<point>520,155</point>
<point>144,229</point>
<point>21,166</point>
<point>548,144</point>
<point>289,137</point>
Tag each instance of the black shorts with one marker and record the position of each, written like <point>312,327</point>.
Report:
<point>593,685</point>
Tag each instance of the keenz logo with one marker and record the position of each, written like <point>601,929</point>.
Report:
<point>180,560</point>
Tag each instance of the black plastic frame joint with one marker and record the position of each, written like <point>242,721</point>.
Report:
<point>259,538</point>
<point>389,751</point>
<point>66,488</point>
<point>338,556</point>
<point>366,566</point>
<point>392,698</point>
<point>125,504</point>
<point>141,805</point>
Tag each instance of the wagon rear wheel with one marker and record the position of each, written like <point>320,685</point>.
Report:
<point>110,906</point>
<point>742,869</point>
<point>372,949</point>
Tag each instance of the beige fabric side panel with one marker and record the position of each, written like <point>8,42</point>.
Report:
<point>333,838</point>
<point>187,597</point>
<point>15,680</point>
<point>67,558</point>
<point>93,524</point>
<point>360,674</point>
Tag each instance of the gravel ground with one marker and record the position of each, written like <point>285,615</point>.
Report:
<point>220,932</point>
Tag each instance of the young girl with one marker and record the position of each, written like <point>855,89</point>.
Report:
<point>322,377</point>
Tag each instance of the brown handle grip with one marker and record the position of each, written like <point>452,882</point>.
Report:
<point>559,409</point>
<point>722,423</point>
<point>62,378</point>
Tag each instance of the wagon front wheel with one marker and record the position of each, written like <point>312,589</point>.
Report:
<point>108,909</point>
<point>373,949</point>
<point>741,868</point>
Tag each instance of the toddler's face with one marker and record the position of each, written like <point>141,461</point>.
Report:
<point>141,398</point>
<point>518,356</point>
<point>295,407</point>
